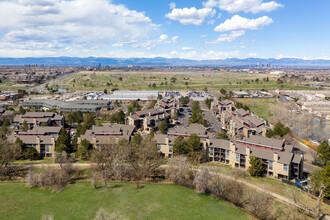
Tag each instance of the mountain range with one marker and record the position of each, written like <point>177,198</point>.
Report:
<point>160,61</point>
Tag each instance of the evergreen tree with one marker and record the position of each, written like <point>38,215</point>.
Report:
<point>323,151</point>
<point>24,127</point>
<point>256,167</point>
<point>63,139</point>
<point>84,149</point>
<point>194,142</point>
<point>180,146</point>
<point>163,128</point>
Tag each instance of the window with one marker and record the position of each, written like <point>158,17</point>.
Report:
<point>47,148</point>
<point>211,150</point>
<point>159,146</point>
<point>270,165</point>
<point>237,157</point>
<point>170,148</point>
<point>285,168</point>
<point>227,154</point>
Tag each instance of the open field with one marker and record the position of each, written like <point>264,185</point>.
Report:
<point>122,201</point>
<point>259,106</point>
<point>183,81</point>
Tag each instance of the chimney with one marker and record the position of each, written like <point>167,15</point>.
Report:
<point>232,147</point>
<point>167,140</point>
<point>248,151</point>
<point>275,156</point>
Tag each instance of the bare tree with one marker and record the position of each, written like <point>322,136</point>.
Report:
<point>234,192</point>
<point>202,180</point>
<point>94,180</point>
<point>105,156</point>
<point>143,159</point>
<point>261,206</point>
<point>31,178</point>
<point>180,171</point>
<point>8,153</point>
<point>216,186</point>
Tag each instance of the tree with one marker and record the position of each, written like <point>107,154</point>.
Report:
<point>137,139</point>
<point>223,91</point>
<point>280,129</point>
<point>269,133</point>
<point>184,100</point>
<point>106,156</point>
<point>21,110</point>
<point>208,102</point>
<point>143,159</point>
<point>163,127</point>
<point>320,185</point>
<point>43,124</point>
<point>323,151</point>
<point>180,171</point>
<point>180,146</point>
<point>61,147</point>
<point>256,167</point>
<point>24,127</point>
<point>63,139</point>
<point>31,153</point>
<point>105,91</point>
<point>194,142</point>
<point>222,135</point>
<point>84,149</point>
<point>202,180</point>
<point>89,120</point>
<point>8,153</point>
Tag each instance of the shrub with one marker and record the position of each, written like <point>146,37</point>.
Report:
<point>216,186</point>
<point>31,178</point>
<point>179,170</point>
<point>31,153</point>
<point>202,180</point>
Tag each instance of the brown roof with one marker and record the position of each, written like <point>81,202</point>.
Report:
<point>39,114</point>
<point>220,143</point>
<point>269,142</point>
<point>33,139</point>
<point>241,112</point>
<point>188,130</point>
<point>283,157</point>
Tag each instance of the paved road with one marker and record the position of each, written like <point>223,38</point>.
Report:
<point>53,81</point>
<point>213,121</point>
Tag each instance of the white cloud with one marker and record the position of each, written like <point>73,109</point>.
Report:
<point>239,23</point>
<point>75,24</point>
<point>188,16</point>
<point>227,37</point>
<point>172,5</point>
<point>187,48</point>
<point>233,6</point>
<point>203,36</point>
<point>210,4</point>
<point>148,44</point>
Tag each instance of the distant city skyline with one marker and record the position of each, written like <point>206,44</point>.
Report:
<point>200,30</point>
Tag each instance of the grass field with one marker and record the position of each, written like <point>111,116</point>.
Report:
<point>184,81</point>
<point>123,201</point>
<point>261,107</point>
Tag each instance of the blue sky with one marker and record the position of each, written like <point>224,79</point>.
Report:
<point>208,29</point>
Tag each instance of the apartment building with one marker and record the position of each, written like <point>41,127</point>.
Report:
<point>107,134</point>
<point>186,131</point>
<point>36,119</point>
<point>43,139</point>
<point>279,159</point>
<point>146,120</point>
<point>239,122</point>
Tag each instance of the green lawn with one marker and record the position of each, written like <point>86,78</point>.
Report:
<point>81,201</point>
<point>259,106</point>
<point>141,80</point>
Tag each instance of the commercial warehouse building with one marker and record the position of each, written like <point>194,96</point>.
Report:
<point>78,105</point>
<point>125,95</point>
